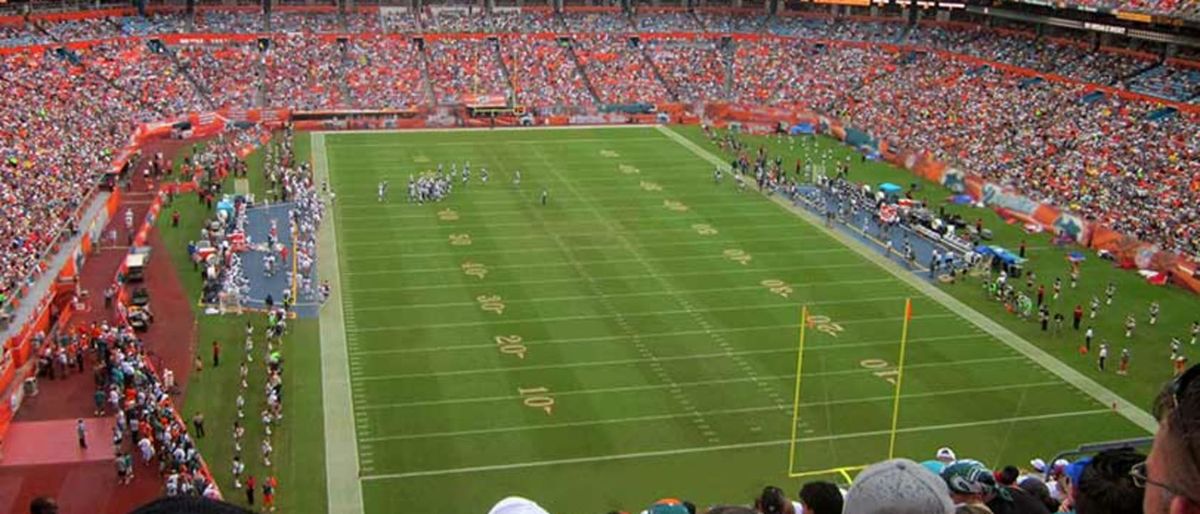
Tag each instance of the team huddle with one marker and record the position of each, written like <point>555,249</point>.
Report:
<point>434,186</point>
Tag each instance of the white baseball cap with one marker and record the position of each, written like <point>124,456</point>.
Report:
<point>945,454</point>
<point>517,505</point>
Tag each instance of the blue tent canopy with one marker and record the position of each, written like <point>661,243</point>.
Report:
<point>1004,255</point>
<point>802,128</point>
<point>890,188</point>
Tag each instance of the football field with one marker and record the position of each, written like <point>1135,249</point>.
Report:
<point>638,335</point>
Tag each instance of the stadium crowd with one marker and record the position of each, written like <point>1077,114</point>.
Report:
<point>543,74</point>
<point>461,67</point>
<point>1127,162</point>
<point>695,70</point>
<point>619,72</point>
<point>384,73</point>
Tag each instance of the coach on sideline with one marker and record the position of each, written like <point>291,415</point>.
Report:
<point>1171,474</point>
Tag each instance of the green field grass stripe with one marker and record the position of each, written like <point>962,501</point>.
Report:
<point>696,356</point>
<point>726,447</point>
<point>592,339</point>
<point>341,458</point>
<point>684,415</point>
<point>631,276</point>
<point>685,311</point>
<point>593,296</point>
<point>1084,383</point>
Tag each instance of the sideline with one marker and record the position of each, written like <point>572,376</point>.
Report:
<point>1070,375</point>
<point>341,452</point>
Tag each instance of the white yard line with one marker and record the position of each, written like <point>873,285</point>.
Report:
<point>574,233</point>
<point>623,362</point>
<point>1070,375</point>
<point>576,340</point>
<point>371,203</point>
<point>641,388</point>
<point>718,412</point>
<point>489,129</point>
<point>542,299</point>
<point>342,467</point>
<point>544,320</point>
<point>431,214</point>
<point>737,271</point>
<point>524,224</point>
<point>543,264</point>
<point>525,250</point>
<point>551,142</point>
<point>717,448</point>
<point>807,285</point>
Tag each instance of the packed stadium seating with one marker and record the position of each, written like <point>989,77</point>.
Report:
<point>229,73</point>
<point>304,75</point>
<point>619,71</point>
<point>543,73</point>
<point>1124,160</point>
<point>384,74</point>
<point>695,69</point>
<point>460,67</point>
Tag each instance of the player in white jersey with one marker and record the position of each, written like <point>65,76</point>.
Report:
<point>517,178</point>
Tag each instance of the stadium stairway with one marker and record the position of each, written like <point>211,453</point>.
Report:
<point>430,97</point>
<point>728,53</point>
<point>186,71</point>
<point>587,81</point>
<point>260,96</point>
<point>670,87</point>
<point>1139,72</point>
<point>1161,114</point>
<point>343,70</point>
<point>497,54</point>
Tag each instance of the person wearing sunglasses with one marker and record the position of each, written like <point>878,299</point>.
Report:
<point>1171,474</point>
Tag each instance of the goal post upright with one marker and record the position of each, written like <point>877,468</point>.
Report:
<point>796,395</point>
<point>899,378</point>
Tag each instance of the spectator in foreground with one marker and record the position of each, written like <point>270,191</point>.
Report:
<point>773,501</point>
<point>898,486</point>
<point>43,505</point>
<point>1171,469</point>
<point>821,498</point>
<point>1106,487</point>
<point>731,509</point>
<point>971,482</point>
<point>517,505</point>
<point>189,505</point>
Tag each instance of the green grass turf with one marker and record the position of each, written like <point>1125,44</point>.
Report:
<point>670,365</point>
<point>298,460</point>
<point>1150,365</point>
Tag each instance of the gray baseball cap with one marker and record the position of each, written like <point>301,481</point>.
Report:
<point>898,486</point>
